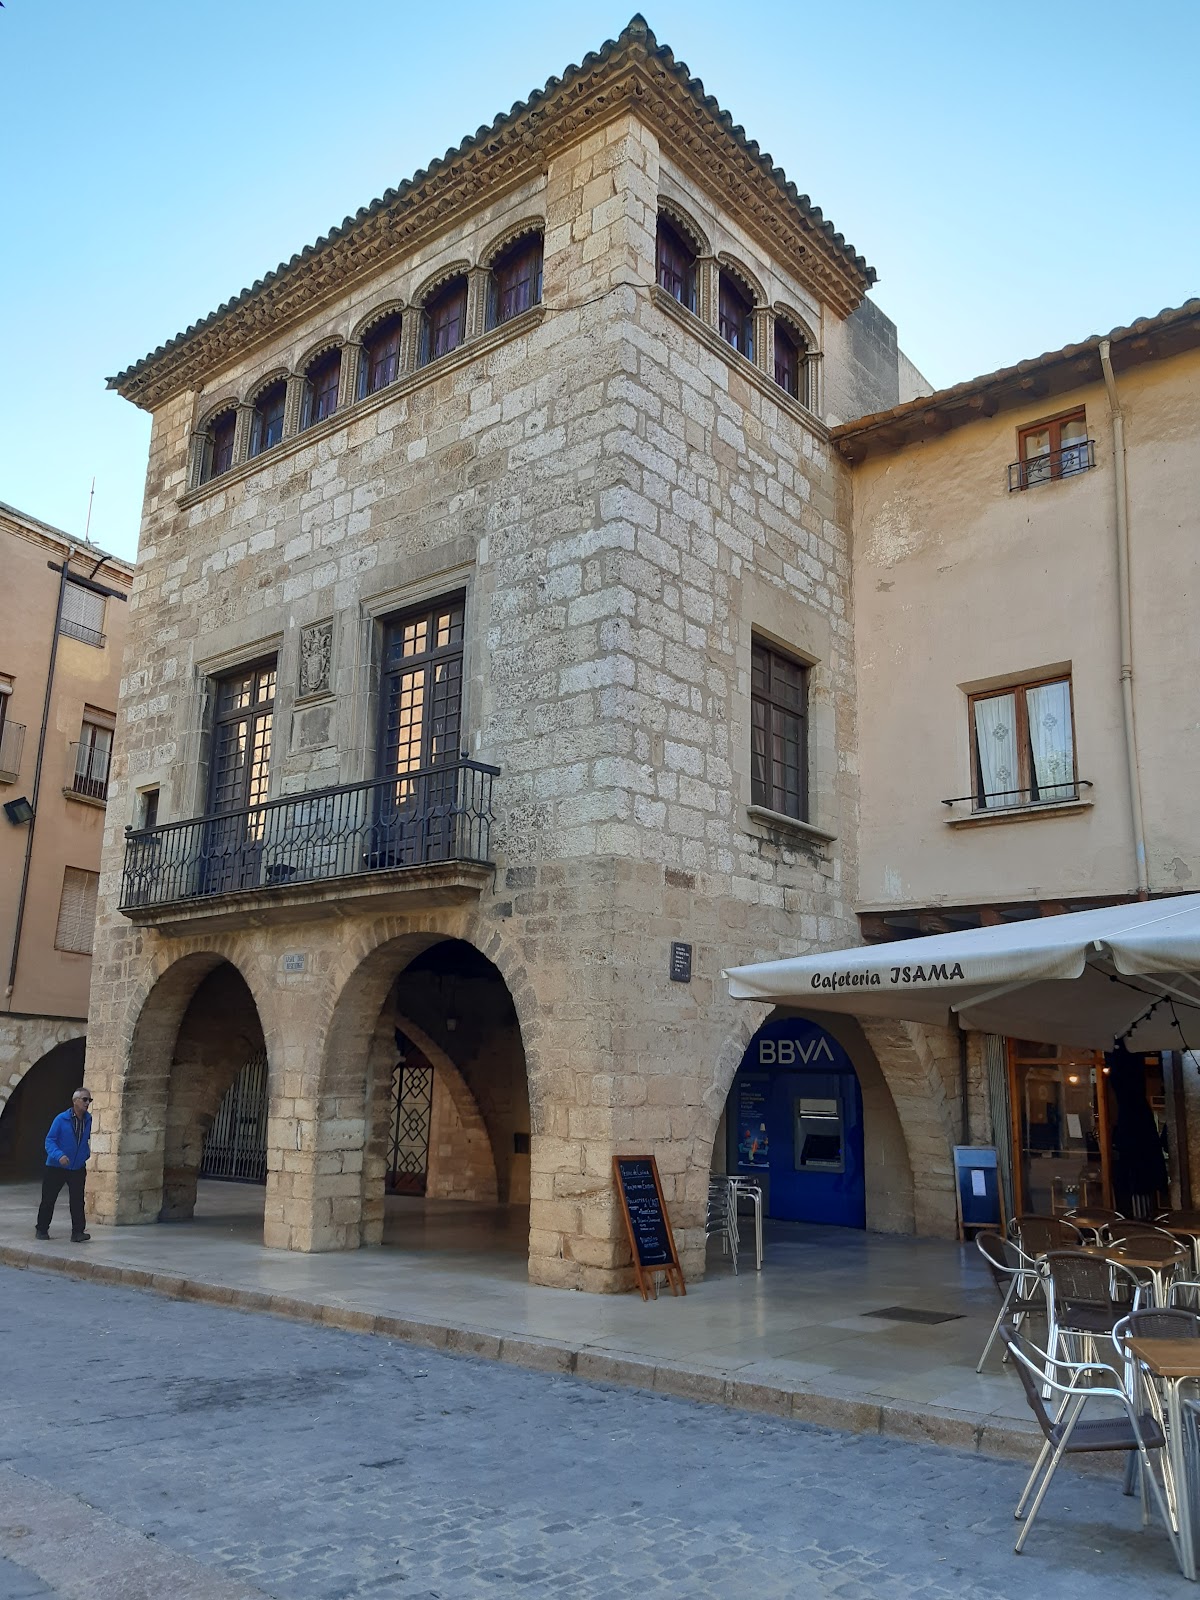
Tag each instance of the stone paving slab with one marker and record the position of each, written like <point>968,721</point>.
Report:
<point>897,1381</point>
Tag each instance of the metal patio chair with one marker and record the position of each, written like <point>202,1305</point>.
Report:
<point>745,1188</point>
<point>1018,1283</point>
<point>1093,1220</point>
<point>1184,1295</point>
<point>1067,1432</point>
<point>721,1217</point>
<point>1087,1296</point>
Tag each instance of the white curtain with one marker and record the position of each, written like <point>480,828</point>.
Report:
<point>996,742</point>
<point>1050,735</point>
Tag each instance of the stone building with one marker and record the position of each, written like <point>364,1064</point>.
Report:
<point>60,655</point>
<point>492,636</point>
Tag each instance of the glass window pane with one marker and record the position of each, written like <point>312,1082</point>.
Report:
<point>996,752</point>
<point>1052,744</point>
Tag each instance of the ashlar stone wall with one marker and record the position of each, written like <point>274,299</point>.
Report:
<point>625,502</point>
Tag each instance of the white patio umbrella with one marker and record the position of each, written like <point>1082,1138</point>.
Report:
<point>1083,979</point>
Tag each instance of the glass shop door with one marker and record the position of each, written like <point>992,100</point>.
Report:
<point>1060,1132</point>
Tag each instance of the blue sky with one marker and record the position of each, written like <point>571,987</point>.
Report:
<point>1020,175</point>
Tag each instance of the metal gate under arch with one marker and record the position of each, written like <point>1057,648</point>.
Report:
<point>235,1147</point>
<point>412,1114</point>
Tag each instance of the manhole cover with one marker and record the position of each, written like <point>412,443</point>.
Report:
<point>914,1314</point>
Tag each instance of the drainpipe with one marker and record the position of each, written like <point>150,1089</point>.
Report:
<point>1121,486</point>
<point>37,783</point>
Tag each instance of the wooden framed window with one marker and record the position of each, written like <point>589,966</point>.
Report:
<point>736,316</point>
<point>93,755</point>
<point>381,355</point>
<point>676,265</point>
<point>445,320</point>
<point>267,427</point>
<point>82,614</point>
<point>789,362</point>
<point>241,745</point>
<point>77,912</point>
<point>421,699</point>
<point>516,280</point>
<point>1057,447</point>
<point>148,808</point>
<point>1023,745</point>
<point>321,388</point>
<point>778,732</point>
<point>218,445</point>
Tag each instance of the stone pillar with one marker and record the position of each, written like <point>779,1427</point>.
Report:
<point>764,340</point>
<point>241,433</point>
<point>478,284</point>
<point>708,275</point>
<point>293,405</point>
<point>812,382</point>
<point>348,379</point>
<point>196,451</point>
<point>410,339</point>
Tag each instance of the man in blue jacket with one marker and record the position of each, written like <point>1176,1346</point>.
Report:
<point>68,1145</point>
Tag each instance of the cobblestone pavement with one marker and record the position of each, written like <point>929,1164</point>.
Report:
<point>278,1459</point>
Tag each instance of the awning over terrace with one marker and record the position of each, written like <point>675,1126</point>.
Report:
<point>1082,979</point>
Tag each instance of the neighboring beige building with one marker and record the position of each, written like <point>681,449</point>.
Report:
<point>1000,775</point>
<point>64,626</point>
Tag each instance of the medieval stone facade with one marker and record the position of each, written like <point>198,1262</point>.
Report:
<point>621,503</point>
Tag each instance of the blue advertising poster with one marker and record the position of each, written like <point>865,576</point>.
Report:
<point>753,1110</point>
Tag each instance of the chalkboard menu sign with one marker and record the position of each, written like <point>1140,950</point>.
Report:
<point>649,1227</point>
<point>977,1187</point>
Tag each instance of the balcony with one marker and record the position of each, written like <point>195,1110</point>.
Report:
<point>1065,463</point>
<point>90,778</point>
<point>12,742</point>
<point>420,839</point>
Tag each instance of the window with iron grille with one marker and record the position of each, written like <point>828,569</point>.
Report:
<point>381,355</point>
<point>218,445</point>
<point>1023,745</point>
<point>267,427</point>
<point>77,912</point>
<point>779,732</point>
<point>321,388</point>
<point>516,280</point>
<point>736,316</point>
<point>676,265</point>
<point>82,614</point>
<point>421,702</point>
<point>444,324</point>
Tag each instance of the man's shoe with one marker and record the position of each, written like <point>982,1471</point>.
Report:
<point>80,1238</point>
<point>40,1233</point>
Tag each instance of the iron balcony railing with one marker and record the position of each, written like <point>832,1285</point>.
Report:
<point>438,814</point>
<point>12,742</point>
<point>90,777</point>
<point>80,630</point>
<point>1064,463</point>
<point>1046,794</point>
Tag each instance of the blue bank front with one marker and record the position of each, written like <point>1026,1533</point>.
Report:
<point>795,1121</point>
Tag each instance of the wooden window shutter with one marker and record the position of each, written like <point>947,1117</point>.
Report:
<point>77,911</point>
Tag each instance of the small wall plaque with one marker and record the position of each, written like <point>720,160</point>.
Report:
<point>681,962</point>
<point>294,961</point>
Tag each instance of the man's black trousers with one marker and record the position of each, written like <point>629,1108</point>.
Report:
<point>52,1182</point>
